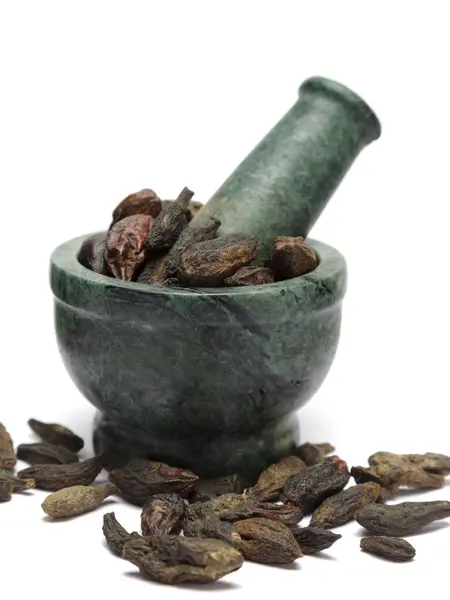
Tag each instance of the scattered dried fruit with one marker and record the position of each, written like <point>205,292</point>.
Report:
<point>206,489</point>
<point>342,507</point>
<point>213,527</point>
<point>162,513</point>
<point>57,477</point>
<point>311,454</point>
<point>271,481</point>
<point>57,434</point>
<point>43,453</point>
<point>314,539</point>
<point>77,499</point>
<point>391,548</point>
<point>7,454</point>
<point>268,542</point>
<point>6,488</point>
<point>115,535</point>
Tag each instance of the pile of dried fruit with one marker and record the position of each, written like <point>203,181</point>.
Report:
<point>198,531</point>
<point>149,241</point>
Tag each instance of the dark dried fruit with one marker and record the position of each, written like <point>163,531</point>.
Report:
<point>144,202</point>
<point>154,270</point>
<point>7,455</point>
<point>290,257</point>
<point>391,548</point>
<point>193,208</point>
<point>401,519</point>
<point>57,477</point>
<point>342,507</point>
<point>163,513</point>
<point>169,223</point>
<point>19,485</point>
<point>143,478</point>
<point>271,481</point>
<point>364,475</point>
<point>172,559</point>
<point>206,489</point>
<point>45,454</point>
<point>77,499</point>
<point>311,454</point>
<point>396,470</point>
<point>311,487</point>
<point>125,246</point>
<point>115,534</point>
<point>6,488</point>
<point>92,253</point>
<point>57,434</point>
<point>250,276</point>
<point>267,542</point>
<point>213,527</point>
<point>314,539</point>
<point>208,263</point>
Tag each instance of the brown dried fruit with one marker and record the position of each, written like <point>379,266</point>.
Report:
<point>311,487</point>
<point>6,488</point>
<point>206,489</point>
<point>193,208</point>
<point>169,223</point>
<point>7,455</point>
<point>311,454</point>
<point>364,475</point>
<point>290,257</point>
<point>267,542</point>
<point>45,454</point>
<point>116,536</point>
<point>173,559</point>
<point>314,539</point>
<point>391,548</point>
<point>272,480</point>
<point>77,499</point>
<point>430,461</point>
<point>342,507</point>
<point>154,270</point>
<point>144,202</point>
<point>396,470</point>
<point>125,252</point>
<point>213,527</point>
<point>250,276</point>
<point>162,513</point>
<point>19,485</point>
<point>143,478</point>
<point>57,477</point>
<point>57,434</point>
<point>208,263</point>
<point>92,253</point>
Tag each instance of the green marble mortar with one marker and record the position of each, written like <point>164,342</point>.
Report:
<point>210,379</point>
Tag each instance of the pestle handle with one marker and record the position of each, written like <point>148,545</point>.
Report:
<point>284,184</point>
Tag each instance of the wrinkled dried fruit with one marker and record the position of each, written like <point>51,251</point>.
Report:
<point>154,270</point>
<point>208,263</point>
<point>19,485</point>
<point>364,475</point>
<point>45,454</point>
<point>144,202</point>
<point>290,257</point>
<point>401,519</point>
<point>6,488</point>
<point>193,208</point>
<point>169,223</point>
<point>395,470</point>
<point>391,548</point>
<point>250,276</point>
<point>342,507</point>
<point>143,478</point>
<point>77,499</point>
<point>314,539</point>
<point>115,534</point>
<point>311,454</point>
<point>125,246</point>
<point>7,455</point>
<point>431,462</point>
<point>163,513</point>
<point>92,253</point>
<point>57,434</point>
<point>57,477</point>
<point>172,559</point>
<point>267,542</point>
<point>213,527</point>
<point>271,481</point>
<point>206,489</point>
<point>311,487</point>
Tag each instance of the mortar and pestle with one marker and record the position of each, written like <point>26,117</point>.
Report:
<point>210,379</point>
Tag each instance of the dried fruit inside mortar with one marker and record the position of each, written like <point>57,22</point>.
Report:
<point>169,223</point>
<point>144,202</point>
<point>125,246</point>
<point>250,276</point>
<point>291,257</point>
<point>92,253</point>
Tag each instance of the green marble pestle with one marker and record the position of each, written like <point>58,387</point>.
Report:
<point>211,379</point>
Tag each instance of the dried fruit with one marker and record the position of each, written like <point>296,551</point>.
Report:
<point>143,478</point>
<point>267,542</point>
<point>431,462</point>
<point>6,488</point>
<point>169,223</point>
<point>7,455</point>
<point>391,548</point>
<point>57,477</point>
<point>193,208</point>
<point>250,276</point>
<point>342,507</point>
<point>311,454</point>
<point>401,519</point>
<point>206,489</point>
<point>395,470</point>
<point>125,246</point>
<point>57,434</point>
<point>271,481</point>
<point>163,513</point>
<point>314,539</point>
<point>290,257</point>
<point>92,253</point>
<point>115,534</point>
<point>45,454</point>
<point>172,559</point>
<point>364,475</point>
<point>154,270</point>
<point>311,487</point>
<point>77,499</point>
<point>208,263</point>
<point>144,202</point>
<point>18,485</point>
<point>213,527</point>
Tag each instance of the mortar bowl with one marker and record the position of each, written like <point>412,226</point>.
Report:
<point>207,379</point>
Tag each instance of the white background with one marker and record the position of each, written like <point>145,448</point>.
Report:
<point>99,99</point>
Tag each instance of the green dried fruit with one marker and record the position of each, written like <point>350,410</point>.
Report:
<point>391,548</point>
<point>77,499</point>
<point>45,454</point>
<point>115,535</point>
<point>57,434</point>
<point>267,542</point>
<point>342,507</point>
